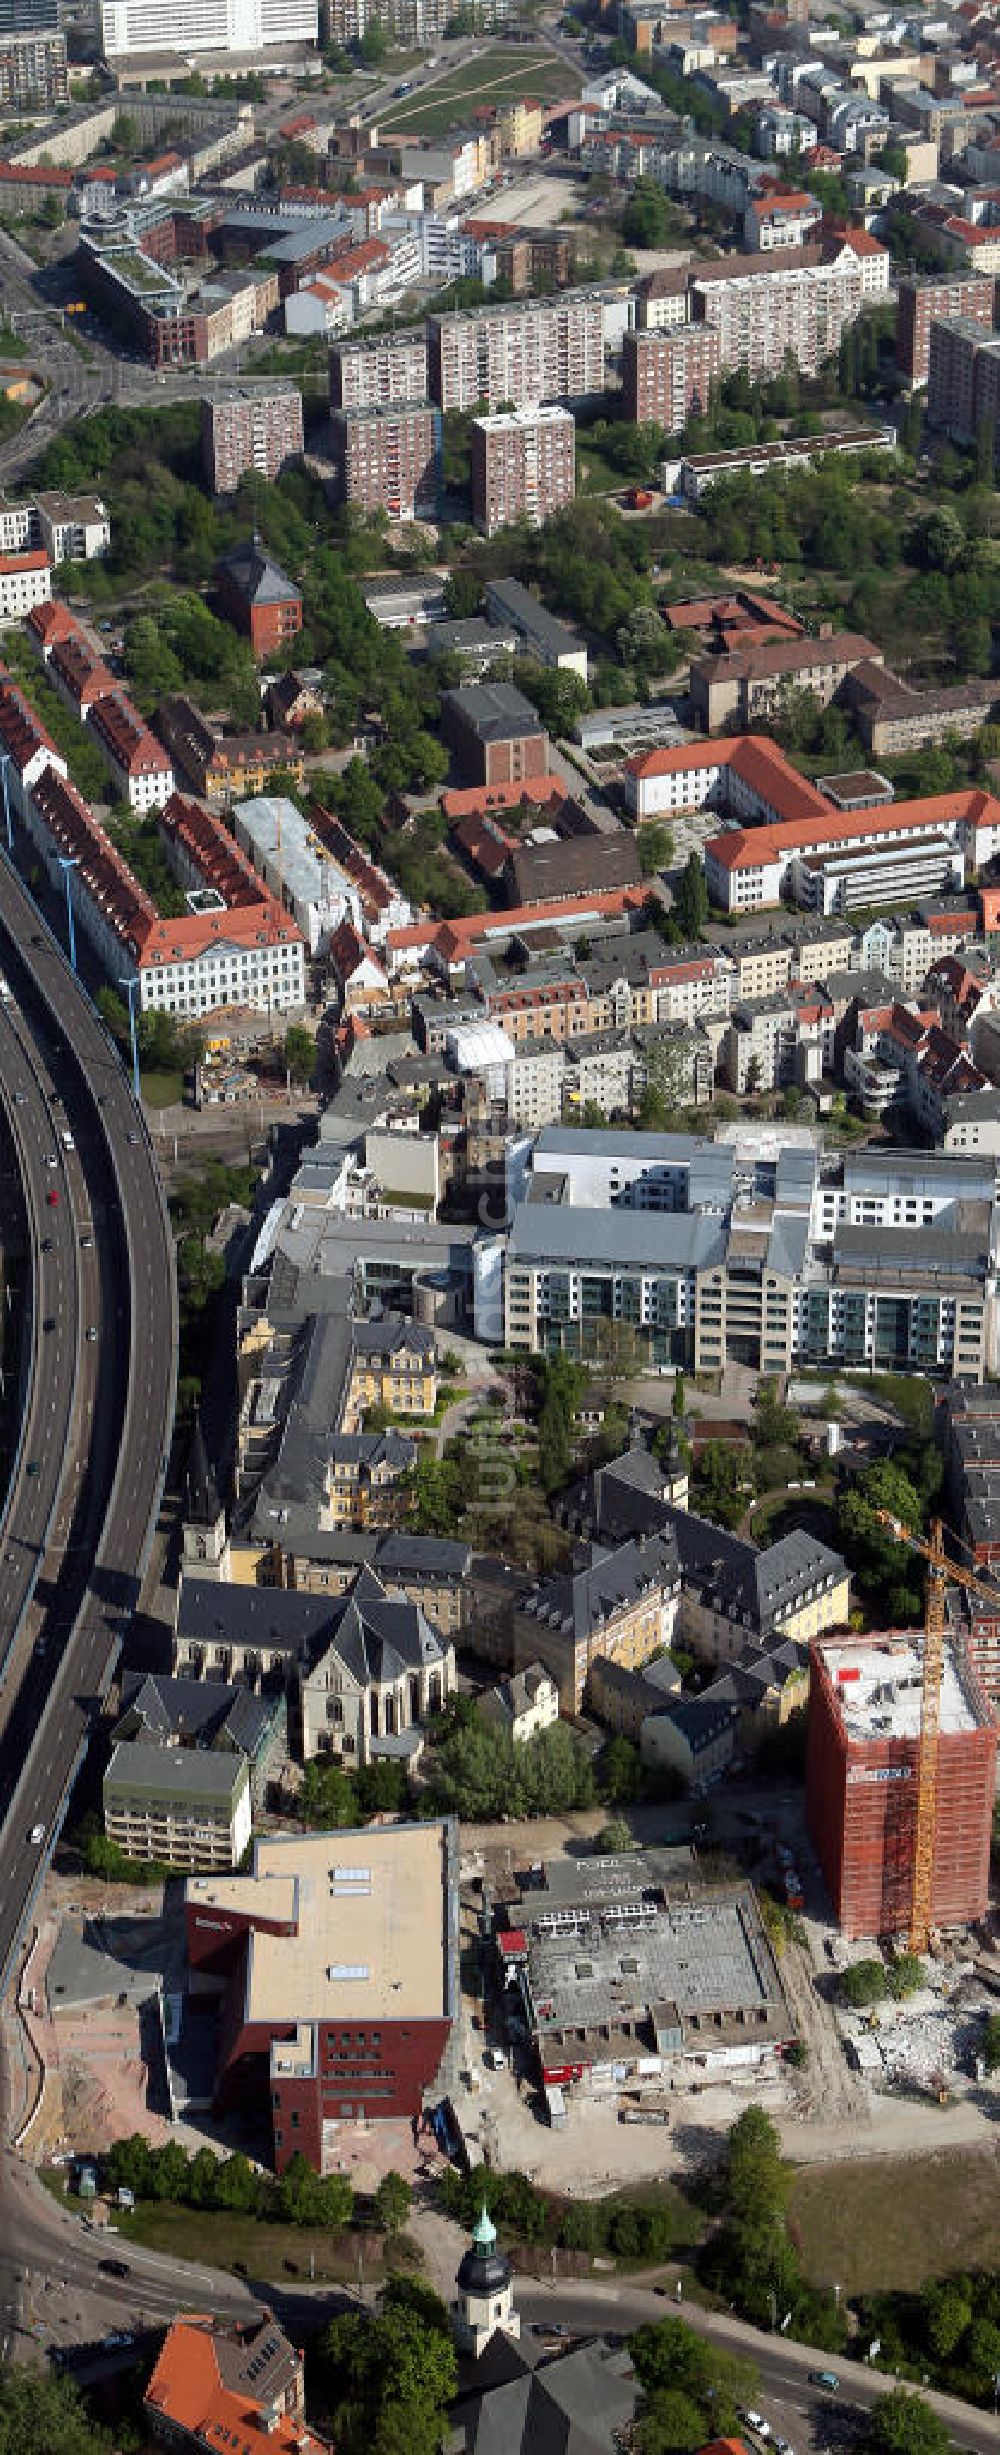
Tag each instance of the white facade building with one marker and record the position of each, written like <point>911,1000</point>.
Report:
<point>195,26</point>
<point>25,580</point>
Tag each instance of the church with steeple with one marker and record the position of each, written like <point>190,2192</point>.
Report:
<point>204,1541</point>
<point>579,2396</point>
<point>485,2302</point>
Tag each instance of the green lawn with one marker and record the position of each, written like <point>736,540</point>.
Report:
<point>782,1513</point>
<point>498,76</point>
<point>162,1090</point>
<point>882,2225</point>
<point>242,2244</point>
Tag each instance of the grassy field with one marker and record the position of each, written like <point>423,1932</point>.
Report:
<point>892,2223</point>
<point>244,2245</point>
<point>499,76</point>
<point>162,1090</point>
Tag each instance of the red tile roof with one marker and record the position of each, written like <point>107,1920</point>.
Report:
<point>189,2388</point>
<point>750,848</point>
<point>129,741</point>
<point>52,621</point>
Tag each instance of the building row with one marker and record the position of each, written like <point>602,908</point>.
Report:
<point>233,945</point>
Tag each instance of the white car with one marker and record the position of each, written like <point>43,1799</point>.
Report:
<point>37,1836</point>
<point>756,2421</point>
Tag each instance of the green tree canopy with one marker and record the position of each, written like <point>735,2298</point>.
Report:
<point>43,2415</point>
<point>905,2424</point>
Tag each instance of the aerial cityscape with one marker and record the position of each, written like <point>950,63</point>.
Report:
<point>499,1227</point>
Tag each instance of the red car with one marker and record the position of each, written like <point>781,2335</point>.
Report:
<point>52,1198</point>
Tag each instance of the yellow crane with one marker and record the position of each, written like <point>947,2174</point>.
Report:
<point>941,1572</point>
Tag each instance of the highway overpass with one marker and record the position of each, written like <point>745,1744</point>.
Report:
<point>97,1393</point>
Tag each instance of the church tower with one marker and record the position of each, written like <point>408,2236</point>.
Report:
<point>204,1539</point>
<point>485,2302</point>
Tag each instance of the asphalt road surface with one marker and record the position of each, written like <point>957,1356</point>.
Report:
<point>105,1455</point>
<point>54,2283</point>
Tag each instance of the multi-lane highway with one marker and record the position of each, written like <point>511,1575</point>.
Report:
<point>83,1498</point>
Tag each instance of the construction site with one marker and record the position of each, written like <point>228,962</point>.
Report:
<point>863,1779</point>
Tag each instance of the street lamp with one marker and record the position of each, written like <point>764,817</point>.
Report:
<point>69,861</point>
<point>130,982</point>
<point>5,789</point>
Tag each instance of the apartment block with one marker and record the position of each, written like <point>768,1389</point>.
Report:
<point>667,376</point>
<point>186,1806</point>
<point>215,26</point>
<point>523,467</point>
<point>766,312</point>
<point>963,379</point>
<point>370,374</point>
<point>544,349</point>
<point>250,427</point>
<point>388,459</point>
<point>717,1253</point>
<point>944,298</point>
<point>33,71</point>
<point>25,580</point>
<point>140,769</point>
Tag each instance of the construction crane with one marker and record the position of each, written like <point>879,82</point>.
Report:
<point>941,1572</point>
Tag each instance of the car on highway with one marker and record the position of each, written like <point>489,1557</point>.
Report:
<point>119,2336</point>
<point>824,2378</point>
<point>37,1836</point>
<point>92,1331</point>
<point>19,1099</point>
<point>756,2421</point>
<point>133,1137</point>
<point>52,1198</point>
<point>32,1467</point>
<point>782,2446</point>
<point>67,1139</point>
<point>51,1159</point>
<point>86,1240</point>
<point>114,2267</point>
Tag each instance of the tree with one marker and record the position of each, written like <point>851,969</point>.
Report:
<point>374,44</point>
<point>723,1481</point>
<point>620,1771</point>
<point>300,1053</point>
<point>905,2424</point>
<point>656,849</point>
<point>391,2203</point>
<point>386,2382</point>
<point>862,1984</point>
<point>884,1568</point>
<point>303,2197</point>
<point>559,697</point>
<point>906,1975</point>
<point>649,219</point>
<point>691,904</point>
<point>946,2310</point>
<point>45,2415</point>
<point>940,539</point>
<point>678,2370</point>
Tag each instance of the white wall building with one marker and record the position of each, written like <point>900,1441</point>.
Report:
<point>25,580</point>
<point>196,26</point>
